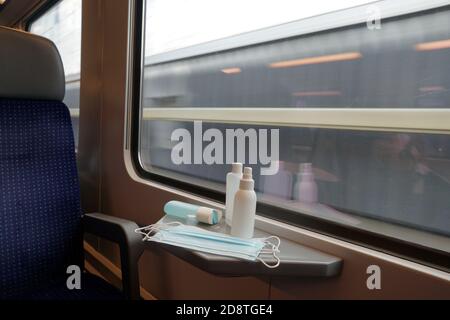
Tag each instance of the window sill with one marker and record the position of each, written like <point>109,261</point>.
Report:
<point>296,260</point>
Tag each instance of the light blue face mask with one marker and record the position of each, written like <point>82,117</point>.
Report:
<point>194,238</point>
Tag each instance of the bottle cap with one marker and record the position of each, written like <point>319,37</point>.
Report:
<point>208,215</point>
<point>248,173</point>
<point>306,172</point>
<point>236,167</point>
<point>247,184</point>
<point>306,168</point>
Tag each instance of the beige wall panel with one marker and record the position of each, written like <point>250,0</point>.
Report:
<point>173,278</point>
<point>91,93</point>
<point>395,284</point>
<point>399,279</point>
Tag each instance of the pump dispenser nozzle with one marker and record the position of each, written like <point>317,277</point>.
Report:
<point>248,173</point>
<point>247,182</point>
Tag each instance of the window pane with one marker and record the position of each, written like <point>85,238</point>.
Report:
<point>401,65</point>
<point>364,179</point>
<point>223,19</point>
<point>62,24</point>
<point>393,183</point>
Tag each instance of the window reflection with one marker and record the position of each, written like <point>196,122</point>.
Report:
<point>395,177</point>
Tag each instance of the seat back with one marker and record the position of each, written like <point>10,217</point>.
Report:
<point>40,215</point>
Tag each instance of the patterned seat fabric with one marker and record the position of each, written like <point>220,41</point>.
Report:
<point>40,214</point>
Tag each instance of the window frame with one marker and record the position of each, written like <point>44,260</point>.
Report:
<point>39,12</point>
<point>372,240</point>
<point>2,6</point>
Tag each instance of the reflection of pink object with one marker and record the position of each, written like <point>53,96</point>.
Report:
<point>306,187</point>
<point>278,185</point>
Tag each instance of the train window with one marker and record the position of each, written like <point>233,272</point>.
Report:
<point>61,23</point>
<point>343,112</point>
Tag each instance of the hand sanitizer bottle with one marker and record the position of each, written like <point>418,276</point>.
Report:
<point>306,187</point>
<point>244,212</point>
<point>233,180</point>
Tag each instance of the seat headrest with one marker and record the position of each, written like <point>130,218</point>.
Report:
<point>30,67</point>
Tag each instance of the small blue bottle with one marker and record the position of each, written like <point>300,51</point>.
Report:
<point>185,210</point>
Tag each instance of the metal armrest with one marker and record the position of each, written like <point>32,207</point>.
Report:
<point>120,231</point>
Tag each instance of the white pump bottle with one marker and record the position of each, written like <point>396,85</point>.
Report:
<point>244,212</point>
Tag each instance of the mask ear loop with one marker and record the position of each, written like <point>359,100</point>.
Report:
<point>274,249</point>
<point>148,230</point>
<point>154,228</point>
<point>145,231</point>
